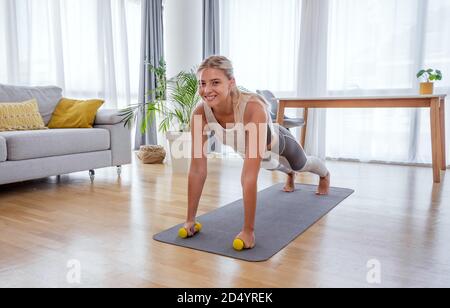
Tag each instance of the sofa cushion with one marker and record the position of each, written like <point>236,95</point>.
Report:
<point>23,145</point>
<point>20,116</point>
<point>3,152</point>
<point>47,97</point>
<point>71,113</point>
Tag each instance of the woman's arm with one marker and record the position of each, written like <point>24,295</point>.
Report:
<point>255,119</point>
<point>198,170</point>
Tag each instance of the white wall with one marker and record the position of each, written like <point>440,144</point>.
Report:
<point>183,35</point>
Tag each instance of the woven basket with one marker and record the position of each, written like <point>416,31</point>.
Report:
<point>152,154</point>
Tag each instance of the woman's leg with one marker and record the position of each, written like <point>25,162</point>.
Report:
<point>293,159</point>
<point>316,166</point>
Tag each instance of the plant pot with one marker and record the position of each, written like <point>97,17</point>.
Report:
<point>426,88</point>
<point>180,151</point>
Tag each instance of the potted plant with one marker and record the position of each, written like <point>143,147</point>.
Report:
<point>430,75</point>
<point>174,113</point>
<point>155,100</point>
<point>176,119</point>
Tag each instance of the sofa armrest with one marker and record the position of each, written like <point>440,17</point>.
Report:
<point>120,143</point>
<point>108,117</point>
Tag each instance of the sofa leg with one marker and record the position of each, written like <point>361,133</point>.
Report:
<point>92,175</point>
<point>119,170</point>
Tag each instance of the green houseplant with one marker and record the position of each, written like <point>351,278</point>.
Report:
<point>172,102</point>
<point>429,76</point>
<point>184,97</point>
<point>155,100</point>
<point>176,120</point>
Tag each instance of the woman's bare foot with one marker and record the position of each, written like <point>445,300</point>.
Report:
<point>290,183</point>
<point>248,238</point>
<point>324,185</point>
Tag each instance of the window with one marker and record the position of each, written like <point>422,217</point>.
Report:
<point>261,38</point>
<point>376,47</point>
<point>89,48</point>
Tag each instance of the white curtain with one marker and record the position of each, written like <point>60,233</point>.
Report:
<point>90,48</point>
<point>312,68</point>
<point>375,48</point>
<point>345,48</point>
<point>261,37</point>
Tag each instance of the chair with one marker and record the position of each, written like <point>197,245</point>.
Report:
<point>288,122</point>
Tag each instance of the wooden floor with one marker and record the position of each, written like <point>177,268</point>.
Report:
<point>396,217</point>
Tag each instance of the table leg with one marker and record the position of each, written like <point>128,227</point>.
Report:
<point>303,135</point>
<point>280,113</point>
<point>442,135</point>
<point>435,148</point>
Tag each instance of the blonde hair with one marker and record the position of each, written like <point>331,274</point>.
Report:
<point>225,65</point>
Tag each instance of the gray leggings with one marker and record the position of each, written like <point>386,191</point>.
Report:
<point>292,158</point>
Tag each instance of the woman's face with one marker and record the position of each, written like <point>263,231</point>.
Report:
<point>214,86</point>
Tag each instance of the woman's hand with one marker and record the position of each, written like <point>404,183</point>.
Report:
<point>190,228</point>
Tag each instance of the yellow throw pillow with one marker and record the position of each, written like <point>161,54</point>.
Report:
<point>20,116</point>
<point>72,113</point>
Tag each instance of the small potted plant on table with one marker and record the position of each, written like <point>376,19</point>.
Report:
<point>429,76</point>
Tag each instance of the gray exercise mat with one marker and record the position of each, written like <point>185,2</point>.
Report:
<point>280,218</point>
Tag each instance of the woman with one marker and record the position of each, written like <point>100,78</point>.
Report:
<point>242,121</point>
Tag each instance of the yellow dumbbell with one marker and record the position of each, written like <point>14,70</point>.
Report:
<point>238,244</point>
<point>183,233</point>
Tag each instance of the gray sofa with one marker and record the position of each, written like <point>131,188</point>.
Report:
<point>28,155</point>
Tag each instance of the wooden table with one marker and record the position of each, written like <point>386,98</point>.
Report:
<point>436,103</point>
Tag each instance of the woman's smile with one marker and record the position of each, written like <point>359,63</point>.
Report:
<point>210,98</point>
